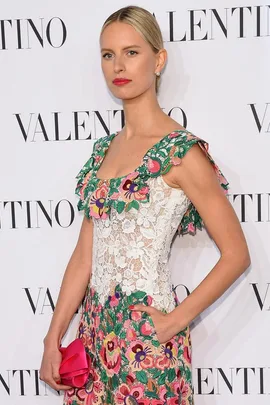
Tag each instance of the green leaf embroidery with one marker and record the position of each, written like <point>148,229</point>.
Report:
<point>117,328</point>
<point>162,378</point>
<point>104,376</point>
<point>115,381</point>
<point>141,376</point>
<point>135,204</point>
<point>155,372</point>
<point>128,206</point>
<point>139,294</point>
<point>151,394</point>
<point>129,299</point>
<point>120,206</point>
<point>171,374</point>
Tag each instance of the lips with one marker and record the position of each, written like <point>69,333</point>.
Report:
<point>121,80</point>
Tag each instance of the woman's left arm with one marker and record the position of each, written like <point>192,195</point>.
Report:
<point>195,175</point>
<point>198,180</point>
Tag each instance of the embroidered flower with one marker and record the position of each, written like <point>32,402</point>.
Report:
<point>176,160</point>
<point>169,355</point>
<point>153,165</point>
<point>129,395</point>
<point>130,190</point>
<point>146,329</point>
<point>114,300</point>
<point>173,134</point>
<point>98,208</point>
<point>139,355</point>
<point>136,315</point>
<point>185,390</point>
<point>131,334</point>
<point>93,389</point>
<point>110,354</point>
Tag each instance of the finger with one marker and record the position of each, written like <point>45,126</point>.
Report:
<point>62,387</point>
<point>56,386</point>
<point>141,307</point>
<point>56,375</point>
<point>55,372</point>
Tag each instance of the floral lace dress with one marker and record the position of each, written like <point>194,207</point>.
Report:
<point>135,218</point>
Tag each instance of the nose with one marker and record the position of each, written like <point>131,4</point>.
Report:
<point>118,64</point>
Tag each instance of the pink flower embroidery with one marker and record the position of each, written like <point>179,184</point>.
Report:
<point>131,334</point>
<point>93,389</point>
<point>191,227</point>
<point>169,355</point>
<point>153,165</point>
<point>185,390</point>
<point>127,394</point>
<point>174,134</point>
<point>149,300</point>
<point>146,329</point>
<point>136,315</point>
<point>127,324</point>
<point>100,334</point>
<point>187,355</point>
<point>114,301</point>
<point>129,189</point>
<point>176,160</point>
<point>98,158</point>
<point>119,316</point>
<point>140,355</point>
<point>110,354</point>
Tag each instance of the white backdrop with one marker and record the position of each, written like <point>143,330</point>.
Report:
<point>54,104</point>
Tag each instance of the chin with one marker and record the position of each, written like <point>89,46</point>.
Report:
<point>126,95</point>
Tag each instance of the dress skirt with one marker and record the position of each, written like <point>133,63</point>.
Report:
<point>129,366</point>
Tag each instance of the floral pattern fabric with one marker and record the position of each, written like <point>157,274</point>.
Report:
<point>134,220</point>
<point>128,363</point>
<point>97,196</point>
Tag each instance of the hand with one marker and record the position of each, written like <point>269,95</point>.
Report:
<point>49,370</point>
<point>164,324</point>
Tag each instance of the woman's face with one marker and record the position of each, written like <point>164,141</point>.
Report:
<point>125,54</point>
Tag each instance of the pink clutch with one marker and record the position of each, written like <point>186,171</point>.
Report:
<point>74,368</point>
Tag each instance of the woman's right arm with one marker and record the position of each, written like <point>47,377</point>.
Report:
<point>72,291</point>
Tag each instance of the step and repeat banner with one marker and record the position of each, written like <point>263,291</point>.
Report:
<point>55,104</point>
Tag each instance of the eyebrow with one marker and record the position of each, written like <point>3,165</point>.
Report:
<point>126,47</point>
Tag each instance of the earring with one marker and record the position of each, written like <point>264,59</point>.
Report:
<point>157,73</point>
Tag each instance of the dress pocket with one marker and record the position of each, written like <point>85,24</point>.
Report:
<point>153,335</point>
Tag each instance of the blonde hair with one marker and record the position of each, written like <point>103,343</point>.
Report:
<point>144,22</point>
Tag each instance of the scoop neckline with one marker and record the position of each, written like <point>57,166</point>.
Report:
<point>112,136</point>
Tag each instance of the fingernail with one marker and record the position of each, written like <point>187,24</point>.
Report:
<point>58,382</point>
<point>131,307</point>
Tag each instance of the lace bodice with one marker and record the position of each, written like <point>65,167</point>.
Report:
<point>132,248</point>
<point>136,216</point>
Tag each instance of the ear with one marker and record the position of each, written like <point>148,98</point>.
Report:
<point>161,59</point>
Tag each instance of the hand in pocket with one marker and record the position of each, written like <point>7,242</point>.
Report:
<point>160,321</point>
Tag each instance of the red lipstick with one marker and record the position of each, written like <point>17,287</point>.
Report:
<point>120,81</point>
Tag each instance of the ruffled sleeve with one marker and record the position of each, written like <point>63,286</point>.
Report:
<point>181,143</point>
<point>84,184</point>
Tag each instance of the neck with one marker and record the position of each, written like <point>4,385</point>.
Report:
<point>142,114</point>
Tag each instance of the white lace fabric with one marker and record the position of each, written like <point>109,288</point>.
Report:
<point>132,248</point>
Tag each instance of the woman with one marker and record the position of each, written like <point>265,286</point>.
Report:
<point>138,188</point>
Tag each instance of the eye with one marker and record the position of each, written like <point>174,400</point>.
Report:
<point>134,52</point>
<point>105,54</point>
